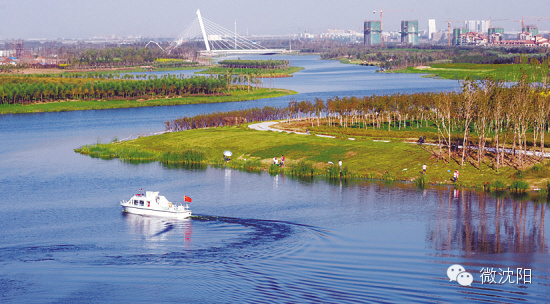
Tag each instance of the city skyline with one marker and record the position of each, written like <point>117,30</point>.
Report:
<point>27,19</point>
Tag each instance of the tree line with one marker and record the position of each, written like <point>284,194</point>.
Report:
<point>485,114</point>
<point>231,118</point>
<point>401,58</point>
<point>254,64</point>
<point>41,89</point>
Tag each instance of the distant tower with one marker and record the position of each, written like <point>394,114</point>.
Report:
<point>372,33</point>
<point>431,28</point>
<point>409,32</point>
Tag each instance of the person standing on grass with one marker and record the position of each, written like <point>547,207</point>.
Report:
<point>424,167</point>
<point>282,160</point>
<point>275,162</point>
<point>455,176</point>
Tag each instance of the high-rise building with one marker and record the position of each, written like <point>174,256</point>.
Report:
<point>431,28</point>
<point>472,25</point>
<point>372,33</point>
<point>484,27</point>
<point>409,32</point>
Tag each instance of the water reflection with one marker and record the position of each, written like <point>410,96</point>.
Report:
<point>156,230</point>
<point>478,223</point>
<point>185,166</point>
<point>227,179</point>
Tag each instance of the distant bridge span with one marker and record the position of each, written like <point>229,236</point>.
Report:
<point>219,40</point>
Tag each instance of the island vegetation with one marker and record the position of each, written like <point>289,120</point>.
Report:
<point>77,91</point>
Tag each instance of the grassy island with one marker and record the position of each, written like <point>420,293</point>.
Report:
<point>253,68</point>
<point>385,158</point>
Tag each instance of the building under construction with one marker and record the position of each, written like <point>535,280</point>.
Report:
<point>409,32</point>
<point>531,29</point>
<point>372,33</point>
<point>458,35</point>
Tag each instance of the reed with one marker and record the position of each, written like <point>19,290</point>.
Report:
<point>421,182</point>
<point>187,157</point>
<point>302,169</point>
<point>275,169</point>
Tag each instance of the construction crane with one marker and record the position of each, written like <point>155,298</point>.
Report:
<point>449,25</point>
<point>381,22</point>
<point>530,18</point>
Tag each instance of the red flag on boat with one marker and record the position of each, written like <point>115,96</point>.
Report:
<point>187,198</point>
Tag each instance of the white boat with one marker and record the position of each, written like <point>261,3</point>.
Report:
<point>151,203</point>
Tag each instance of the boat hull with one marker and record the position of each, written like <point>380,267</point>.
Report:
<point>152,212</point>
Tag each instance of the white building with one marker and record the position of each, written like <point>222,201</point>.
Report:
<point>484,28</point>
<point>431,28</point>
<point>472,25</point>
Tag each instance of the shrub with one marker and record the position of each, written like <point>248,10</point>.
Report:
<point>519,186</point>
<point>496,186</point>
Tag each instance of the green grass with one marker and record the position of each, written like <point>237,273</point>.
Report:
<point>308,155</point>
<point>505,72</point>
<point>61,106</point>
<point>266,73</point>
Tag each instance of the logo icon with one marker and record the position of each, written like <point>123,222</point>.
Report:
<point>458,273</point>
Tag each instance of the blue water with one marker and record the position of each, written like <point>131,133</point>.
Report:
<point>260,238</point>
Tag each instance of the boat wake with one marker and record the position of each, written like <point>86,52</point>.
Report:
<point>207,239</point>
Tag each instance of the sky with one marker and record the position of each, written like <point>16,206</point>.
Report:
<point>28,19</point>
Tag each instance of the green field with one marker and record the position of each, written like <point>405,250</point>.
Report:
<point>382,158</point>
<point>239,95</point>
<point>504,72</point>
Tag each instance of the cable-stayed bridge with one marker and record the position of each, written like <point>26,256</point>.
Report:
<point>219,40</point>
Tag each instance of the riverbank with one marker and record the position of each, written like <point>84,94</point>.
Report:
<point>79,105</point>
<point>461,71</point>
<point>362,157</point>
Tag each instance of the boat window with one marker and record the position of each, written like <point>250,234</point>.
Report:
<point>135,202</point>
<point>141,203</point>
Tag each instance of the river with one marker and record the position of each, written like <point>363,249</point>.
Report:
<point>260,238</point>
